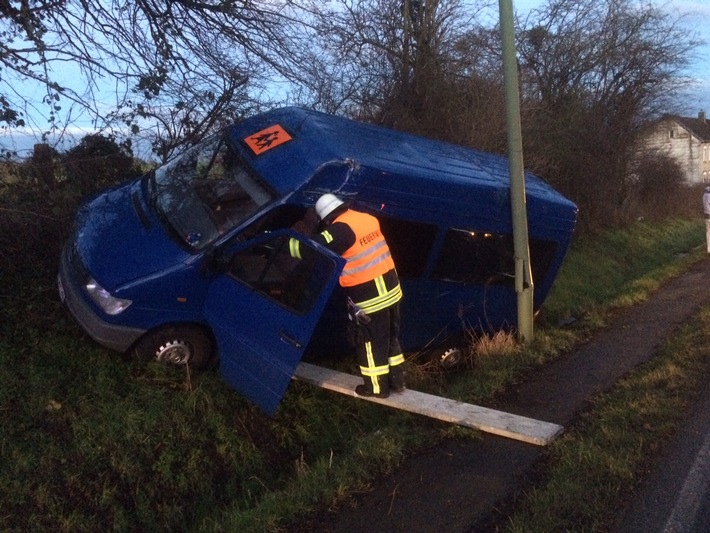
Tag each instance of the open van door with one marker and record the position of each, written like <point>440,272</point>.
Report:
<point>263,311</point>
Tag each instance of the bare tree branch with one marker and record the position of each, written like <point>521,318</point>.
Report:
<point>126,56</point>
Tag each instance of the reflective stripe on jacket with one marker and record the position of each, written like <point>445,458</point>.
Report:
<point>377,294</point>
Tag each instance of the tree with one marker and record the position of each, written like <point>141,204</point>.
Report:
<point>203,61</point>
<point>98,161</point>
<point>593,72</point>
<point>44,166</point>
<point>424,66</point>
<point>387,61</point>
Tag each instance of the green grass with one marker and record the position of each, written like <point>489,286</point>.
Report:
<point>92,442</point>
<point>621,267</point>
<point>592,471</point>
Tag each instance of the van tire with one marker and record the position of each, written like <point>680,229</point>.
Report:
<point>176,345</point>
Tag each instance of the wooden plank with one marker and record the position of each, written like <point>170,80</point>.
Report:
<point>489,420</point>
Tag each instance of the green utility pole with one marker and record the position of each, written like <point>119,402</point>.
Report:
<point>523,273</point>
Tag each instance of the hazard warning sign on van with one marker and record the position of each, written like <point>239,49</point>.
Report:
<point>267,139</point>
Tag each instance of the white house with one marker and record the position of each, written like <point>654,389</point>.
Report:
<point>685,139</point>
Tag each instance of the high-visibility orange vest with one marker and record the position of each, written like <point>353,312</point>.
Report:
<point>370,256</point>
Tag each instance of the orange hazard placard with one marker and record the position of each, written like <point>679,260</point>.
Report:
<point>267,139</point>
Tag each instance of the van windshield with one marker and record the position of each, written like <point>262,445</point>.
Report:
<point>206,192</point>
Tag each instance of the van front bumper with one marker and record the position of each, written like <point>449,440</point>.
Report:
<point>113,336</point>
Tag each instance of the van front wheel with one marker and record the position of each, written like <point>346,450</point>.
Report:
<point>176,345</point>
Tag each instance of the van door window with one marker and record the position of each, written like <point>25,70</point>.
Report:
<point>207,191</point>
<point>280,217</point>
<point>268,268</point>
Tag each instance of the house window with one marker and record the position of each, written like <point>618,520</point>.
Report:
<point>671,134</point>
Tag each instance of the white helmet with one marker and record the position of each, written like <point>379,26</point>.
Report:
<point>326,204</point>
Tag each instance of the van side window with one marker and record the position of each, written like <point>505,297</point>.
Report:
<point>268,268</point>
<point>481,257</point>
<point>476,257</point>
<point>410,244</point>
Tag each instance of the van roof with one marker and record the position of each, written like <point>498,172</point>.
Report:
<point>391,162</point>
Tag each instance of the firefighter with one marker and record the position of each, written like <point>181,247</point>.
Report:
<point>372,288</point>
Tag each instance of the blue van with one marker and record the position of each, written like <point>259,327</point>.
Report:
<point>189,263</point>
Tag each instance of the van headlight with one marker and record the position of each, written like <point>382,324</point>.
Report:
<point>110,304</point>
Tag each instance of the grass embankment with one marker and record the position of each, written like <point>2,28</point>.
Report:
<point>91,442</point>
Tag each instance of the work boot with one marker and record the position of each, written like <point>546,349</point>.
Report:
<point>367,388</point>
<point>397,379</point>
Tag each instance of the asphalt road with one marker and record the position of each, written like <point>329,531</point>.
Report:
<point>464,486</point>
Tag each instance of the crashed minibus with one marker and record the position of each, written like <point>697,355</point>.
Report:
<point>188,263</point>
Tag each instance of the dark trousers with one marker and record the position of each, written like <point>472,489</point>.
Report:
<point>377,345</point>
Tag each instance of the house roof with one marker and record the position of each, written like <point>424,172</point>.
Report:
<point>699,127</point>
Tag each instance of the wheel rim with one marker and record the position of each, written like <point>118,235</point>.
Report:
<point>175,352</point>
<point>450,357</point>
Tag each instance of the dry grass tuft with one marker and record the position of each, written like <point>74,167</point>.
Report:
<point>500,343</point>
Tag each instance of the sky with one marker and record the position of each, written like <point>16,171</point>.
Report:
<point>697,23</point>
